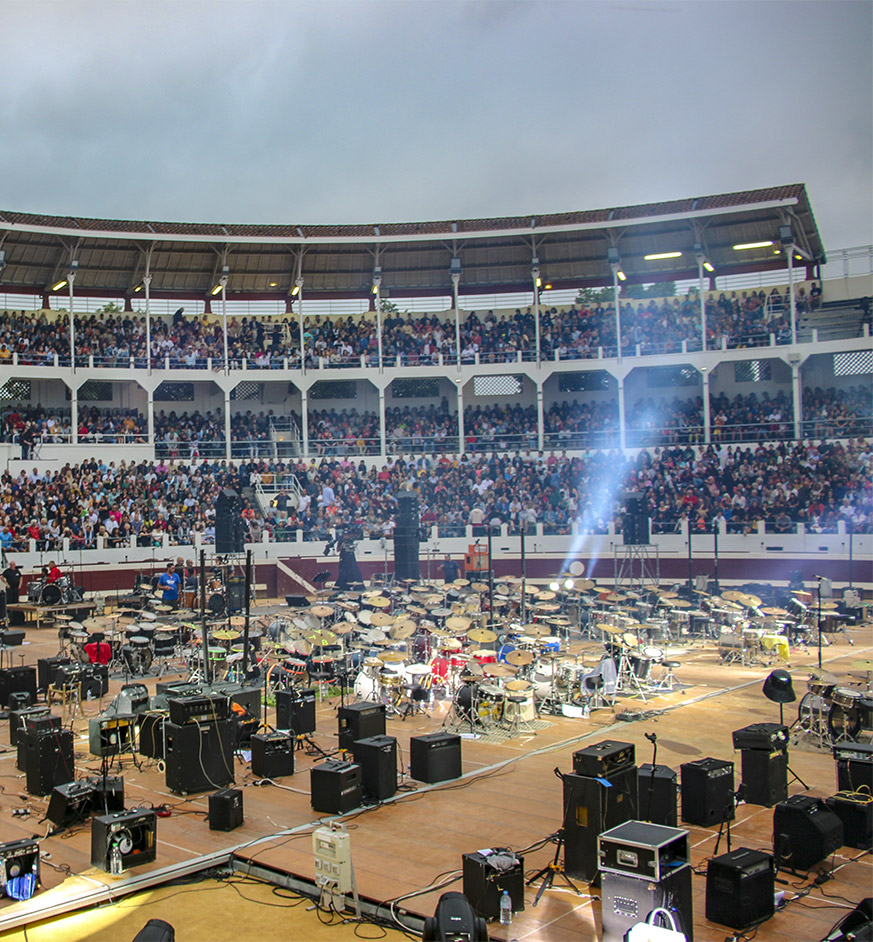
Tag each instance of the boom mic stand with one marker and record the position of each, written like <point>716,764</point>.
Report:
<point>653,739</point>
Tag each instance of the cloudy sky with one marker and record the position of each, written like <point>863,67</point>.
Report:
<point>389,111</point>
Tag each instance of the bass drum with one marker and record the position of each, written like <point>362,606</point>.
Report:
<point>812,708</point>
<point>367,687</point>
<point>215,603</point>
<point>51,594</point>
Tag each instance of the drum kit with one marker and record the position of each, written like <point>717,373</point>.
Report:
<point>832,712</point>
<point>60,592</point>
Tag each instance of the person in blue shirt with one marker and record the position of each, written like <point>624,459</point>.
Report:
<point>170,582</point>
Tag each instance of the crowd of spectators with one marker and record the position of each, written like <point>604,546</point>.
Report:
<point>751,418</point>
<point>582,425</point>
<point>837,413</point>
<point>487,428</point>
<point>578,331</point>
<point>679,421</point>
<point>415,429</point>
<point>127,426</point>
<point>137,503</point>
<point>344,432</point>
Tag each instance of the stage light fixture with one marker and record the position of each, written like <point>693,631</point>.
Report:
<point>568,584</point>
<point>554,587</point>
<point>741,246</point>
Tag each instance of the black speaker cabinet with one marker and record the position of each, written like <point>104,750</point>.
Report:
<point>592,806</point>
<point>805,832</point>
<point>108,792</point>
<point>657,795</point>
<point>19,699</point>
<point>855,810</point>
<point>272,755</point>
<point>48,760</point>
<point>225,809</point>
<point>17,678</point>
<point>70,803</point>
<point>123,840</point>
<point>95,681</point>
<point>360,721</point>
<point>18,719</point>
<point>435,757</point>
<point>765,776</point>
<point>739,888</point>
<point>295,711</point>
<point>707,789</point>
<point>199,756</point>
<point>47,668</point>
<point>377,757</point>
<point>335,787</point>
<point>486,876</point>
<point>626,900</point>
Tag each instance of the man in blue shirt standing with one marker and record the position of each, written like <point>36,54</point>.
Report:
<point>170,582</point>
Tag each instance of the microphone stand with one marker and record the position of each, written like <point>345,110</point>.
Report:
<point>653,739</point>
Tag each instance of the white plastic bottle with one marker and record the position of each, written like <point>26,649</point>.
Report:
<point>505,909</point>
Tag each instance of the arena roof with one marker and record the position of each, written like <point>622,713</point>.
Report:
<point>186,259</point>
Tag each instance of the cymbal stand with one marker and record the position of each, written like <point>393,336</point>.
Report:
<point>627,680</point>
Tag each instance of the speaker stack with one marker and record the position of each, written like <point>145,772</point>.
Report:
<point>658,791</point>
<point>764,762</point>
<point>599,794</point>
<point>643,867</point>
<point>47,757</point>
<point>199,756</point>
<point>635,522</point>
<point>407,537</point>
<point>229,531</point>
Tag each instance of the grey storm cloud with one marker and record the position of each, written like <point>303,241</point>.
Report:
<point>388,111</point>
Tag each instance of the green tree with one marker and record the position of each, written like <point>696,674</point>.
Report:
<point>660,289</point>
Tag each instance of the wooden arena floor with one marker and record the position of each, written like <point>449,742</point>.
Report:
<point>508,796</point>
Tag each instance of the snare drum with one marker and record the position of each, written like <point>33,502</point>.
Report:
<point>817,686</point>
<point>844,719</point>
<point>550,645</point>
<point>295,667</point>
<point>570,674</point>
<point>653,653</point>
<point>845,698</point>
<point>483,657</point>
<point>390,678</point>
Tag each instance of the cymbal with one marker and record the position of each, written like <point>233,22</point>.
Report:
<point>96,623</point>
<point>343,627</point>
<point>864,665</point>
<point>669,595</point>
<point>679,603</point>
<point>449,644</point>
<point>441,612</point>
<point>514,686</point>
<point>321,611</point>
<point>533,630</point>
<point>402,631</point>
<point>559,620</point>
<point>774,611</point>
<point>163,608</point>
<point>629,640</point>
<point>616,597</point>
<point>752,601</point>
<point>461,582</point>
<point>519,658</point>
<point>547,607</point>
<point>379,601</point>
<point>458,623</point>
<point>479,586</point>
<point>531,589</point>
<point>320,637</point>
<point>547,595</point>
<point>391,657</point>
<point>224,635</point>
<point>609,629</point>
<point>499,670</point>
<point>482,635</point>
<point>416,609</point>
<point>583,585</point>
<point>829,606</point>
<point>381,619</point>
<point>822,676</point>
<point>700,592</point>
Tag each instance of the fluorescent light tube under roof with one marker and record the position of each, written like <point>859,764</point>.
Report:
<point>59,284</point>
<point>752,245</point>
<point>215,290</point>
<point>622,276</point>
<point>652,258</point>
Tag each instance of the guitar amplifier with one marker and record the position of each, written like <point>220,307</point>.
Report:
<point>272,755</point>
<point>764,776</point>
<point>377,757</point>
<point>854,766</point>
<point>487,874</point>
<point>124,839</point>
<point>360,721</point>
<point>435,757</point>
<point>855,810</point>
<point>707,790</point>
<point>768,736</point>
<point>47,669</point>
<point>199,756</point>
<point>17,678</point>
<point>202,709</point>
<point>658,790</point>
<point>19,865</point>
<point>739,888</point>
<point>603,758</point>
<point>108,792</point>
<point>295,711</point>
<point>226,809</point>
<point>335,787</point>
<point>18,720</point>
<point>152,727</point>
<point>70,803</point>
<point>805,832</point>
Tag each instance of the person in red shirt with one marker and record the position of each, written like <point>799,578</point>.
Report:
<point>54,573</point>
